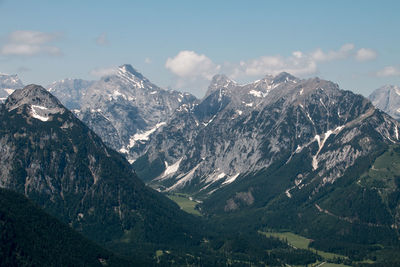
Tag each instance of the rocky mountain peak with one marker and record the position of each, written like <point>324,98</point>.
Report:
<point>41,103</point>
<point>219,81</point>
<point>127,71</point>
<point>122,108</point>
<point>284,77</point>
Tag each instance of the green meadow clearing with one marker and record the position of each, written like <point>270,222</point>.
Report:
<point>185,203</point>
<point>301,242</point>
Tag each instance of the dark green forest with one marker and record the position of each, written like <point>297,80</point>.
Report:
<point>31,237</point>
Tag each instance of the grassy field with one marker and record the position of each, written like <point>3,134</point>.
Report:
<point>301,242</point>
<point>185,203</point>
<point>327,264</point>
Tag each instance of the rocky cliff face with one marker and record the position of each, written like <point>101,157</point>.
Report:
<point>387,99</point>
<point>123,108</point>
<point>51,157</point>
<point>239,130</point>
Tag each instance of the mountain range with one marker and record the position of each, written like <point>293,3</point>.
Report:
<point>239,130</point>
<point>284,153</point>
<point>55,160</point>
<point>123,108</point>
<point>279,153</point>
<point>61,165</point>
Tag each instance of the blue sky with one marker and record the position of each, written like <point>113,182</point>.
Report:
<point>182,44</point>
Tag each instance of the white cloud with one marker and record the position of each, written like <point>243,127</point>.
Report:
<point>100,72</point>
<point>194,69</point>
<point>365,54</point>
<point>342,53</point>
<point>102,39</point>
<point>297,54</point>
<point>147,60</point>
<point>28,50</point>
<point>189,64</point>
<point>297,64</point>
<point>30,43</point>
<point>388,71</point>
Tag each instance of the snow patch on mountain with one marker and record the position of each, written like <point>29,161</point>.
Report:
<point>287,192</point>
<point>144,136</point>
<point>171,169</point>
<point>123,150</point>
<point>36,115</point>
<point>256,93</point>
<point>9,91</point>
<point>231,179</point>
<point>117,93</point>
<point>39,107</point>
<point>186,178</point>
<point>321,144</point>
<point>207,123</point>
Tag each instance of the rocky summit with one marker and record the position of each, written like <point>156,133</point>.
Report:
<point>123,108</point>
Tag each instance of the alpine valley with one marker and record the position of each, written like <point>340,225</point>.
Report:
<point>264,165</point>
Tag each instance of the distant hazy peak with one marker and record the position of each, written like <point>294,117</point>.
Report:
<point>387,98</point>
<point>284,77</point>
<point>70,83</point>
<point>10,81</point>
<point>387,88</point>
<point>68,80</point>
